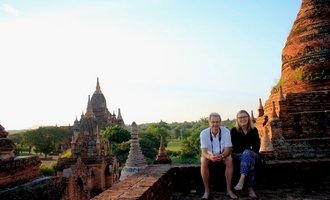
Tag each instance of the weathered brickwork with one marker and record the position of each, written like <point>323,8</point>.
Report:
<point>298,109</point>
<point>50,188</point>
<point>19,170</point>
<point>154,182</point>
<point>160,182</point>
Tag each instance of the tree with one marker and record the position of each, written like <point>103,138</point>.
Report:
<point>160,129</point>
<point>17,138</point>
<point>150,139</point>
<point>116,134</point>
<point>191,144</point>
<point>119,141</point>
<point>149,143</point>
<point>45,139</point>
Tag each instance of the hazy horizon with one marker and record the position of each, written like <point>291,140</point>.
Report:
<point>163,60</point>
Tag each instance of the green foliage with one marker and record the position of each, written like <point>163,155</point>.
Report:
<point>18,139</point>
<point>149,143</point>
<point>277,86</point>
<point>308,76</point>
<point>66,154</point>
<point>191,144</point>
<point>150,139</point>
<point>160,129</point>
<point>179,159</point>
<point>315,76</point>
<point>47,170</point>
<point>116,134</point>
<point>119,141</point>
<point>121,151</point>
<point>174,145</point>
<point>229,123</point>
<point>181,140</point>
<point>45,139</point>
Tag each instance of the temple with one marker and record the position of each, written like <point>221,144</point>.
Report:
<point>90,169</point>
<point>296,116</point>
<point>293,123</point>
<point>103,116</point>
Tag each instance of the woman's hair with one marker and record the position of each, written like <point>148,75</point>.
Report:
<point>250,124</point>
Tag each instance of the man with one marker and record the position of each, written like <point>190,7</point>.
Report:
<point>216,147</point>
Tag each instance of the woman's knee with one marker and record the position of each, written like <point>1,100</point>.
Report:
<point>247,152</point>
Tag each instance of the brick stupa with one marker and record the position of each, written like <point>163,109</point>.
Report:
<point>135,161</point>
<point>162,156</point>
<point>298,109</point>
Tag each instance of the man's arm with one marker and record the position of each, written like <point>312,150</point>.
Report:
<point>226,152</point>
<point>205,154</point>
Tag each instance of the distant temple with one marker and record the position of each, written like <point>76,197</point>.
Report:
<point>103,116</point>
<point>296,116</point>
<point>91,169</point>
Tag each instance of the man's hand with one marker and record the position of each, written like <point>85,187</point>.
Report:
<point>215,157</point>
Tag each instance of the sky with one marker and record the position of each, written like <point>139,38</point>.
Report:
<point>169,60</point>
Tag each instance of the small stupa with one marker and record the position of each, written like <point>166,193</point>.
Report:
<point>135,161</point>
<point>162,157</point>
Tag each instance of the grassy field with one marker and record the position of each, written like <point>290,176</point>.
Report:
<point>174,145</point>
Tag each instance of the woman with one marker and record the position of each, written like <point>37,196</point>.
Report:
<point>246,144</point>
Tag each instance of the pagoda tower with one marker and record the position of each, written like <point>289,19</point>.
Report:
<point>298,107</point>
<point>135,161</point>
<point>162,156</point>
<point>99,105</point>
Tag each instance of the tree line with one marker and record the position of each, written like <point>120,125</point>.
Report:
<point>53,139</point>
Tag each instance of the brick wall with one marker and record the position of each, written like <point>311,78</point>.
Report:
<point>158,182</point>
<point>18,171</point>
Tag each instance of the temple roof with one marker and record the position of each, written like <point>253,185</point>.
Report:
<point>98,100</point>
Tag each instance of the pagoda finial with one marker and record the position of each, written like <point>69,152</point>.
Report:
<point>274,115</point>
<point>281,94</point>
<point>98,88</point>
<point>89,110</point>
<point>119,114</point>
<point>260,109</point>
<point>120,119</point>
<point>252,117</point>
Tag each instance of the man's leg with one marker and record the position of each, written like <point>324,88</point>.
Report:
<point>205,176</point>
<point>229,175</point>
